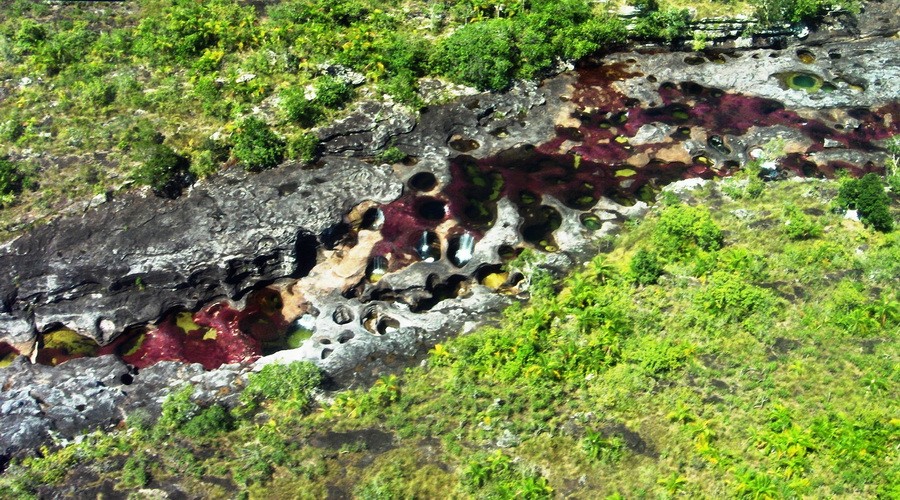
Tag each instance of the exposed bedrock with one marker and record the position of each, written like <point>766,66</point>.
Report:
<point>131,260</point>
<point>361,267</point>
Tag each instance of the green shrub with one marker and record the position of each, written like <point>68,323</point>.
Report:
<point>209,422</point>
<point>292,384</point>
<point>658,356</point>
<point>728,294</point>
<point>774,12</point>
<point>213,101</point>
<point>666,25</point>
<point>682,230</point>
<point>11,179</point>
<point>392,154</point>
<point>303,147</point>
<point>162,169</point>
<point>799,226</point>
<point>480,54</point>
<point>300,110</point>
<point>136,471</point>
<point>645,267</point>
<point>256,146</point>
<point>177,410</point>
<point>333,92</point>
<point>183,29</point>
<point>12,129</point>
<point>496,476</point>
<point>867,196</point>
<point>599,448</point>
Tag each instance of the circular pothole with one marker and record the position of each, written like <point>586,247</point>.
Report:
<point>423,181</point>
<point>462,144</point>
<point>342,315</point>
<point>432,209</point>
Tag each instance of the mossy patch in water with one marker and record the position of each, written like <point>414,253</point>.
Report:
<point>803,81</point>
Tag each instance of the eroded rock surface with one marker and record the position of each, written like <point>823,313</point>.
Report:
<point>361,267</point>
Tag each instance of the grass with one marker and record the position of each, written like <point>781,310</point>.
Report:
<point>761,368</point>
<point>87,84</point>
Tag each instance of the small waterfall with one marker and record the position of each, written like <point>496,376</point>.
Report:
<point>462,250</point>
<point>429,247</point>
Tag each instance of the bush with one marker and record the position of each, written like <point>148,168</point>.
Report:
<point>606,450</point>
<point>303,147</point>
<point>292,384</point>
<point>209,422</point>
<point>333,92</point>
<point>773,12</point>
<point>867,196</point>
<point>799,226</point>
<point>176,411</point>
<point>728,294</point>
<point>682,230</point>
<point>392,154</point>
<point>256,146</point>
<point>11,180</point>
<point>666,25</point>
<point>136,471</point>
<point>298,109</point>
<point>480,54</point>
<point>162,169</point>
<point>645,267</point>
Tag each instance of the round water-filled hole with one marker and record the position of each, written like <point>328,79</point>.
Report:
<point>682,133</point>
<point>423,181</point>
<point>581,200</point>
<point>805,56</point>
<point>526,197</point>
<point>462,144</point>
<point>377,268</point>
<point>126,379</point>
<point>432,209</point>
<point>373,219</point>
<point>694,60</point>
<point>651,79</point>
<point>716,142</point>
<point>324,341</point>
<point>691,88</point>
<point>460,249</point>
<point>591,222</point>
<point>803,81</point>
<point>428,246</point>
<point>507,252</point>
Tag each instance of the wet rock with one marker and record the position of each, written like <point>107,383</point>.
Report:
<point>134,258</point>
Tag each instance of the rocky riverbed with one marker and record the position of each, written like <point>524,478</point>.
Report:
<point>361,266</point>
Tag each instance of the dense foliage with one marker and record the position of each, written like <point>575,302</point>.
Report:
<point>750,362</point>
<point>867,196</point>
<point>256,146</point>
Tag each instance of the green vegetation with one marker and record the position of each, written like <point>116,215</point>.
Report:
<point>774,12</point>
<point>867,196</point>
<point>752,361</point>
<point>256,146</point>
<point>11,179</point>
<point>85,78</point>
<point>162,169</point>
